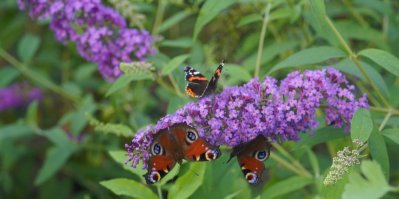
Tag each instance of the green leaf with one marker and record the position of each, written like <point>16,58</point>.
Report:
<point>174,104</point>
<point>285,12</point>
<point>117,129</point>
<point>317,19</point>
<point>57,136</point>
<point>31,115</point>
<point>371,184</point>
<point>172,174</point>
<point>233,195</point>
<point>286,186</point>
<point>269,52</point>
<point>174,63</point>
<point>249,19</point>
<point>186,185</point>
<point>79,119</point>
<point>347,66</point>
<point>392,134</point>
<point>350,29</point>
<point>133,71</point>
<point>8,74</point>
<point>383,58</point>
<point>322,135</point>
<point>27,47</point>
<point>184,42</point>
<point>123,81</point>
<point>55,158</point>
<point>120,157</point>
<point>15,131</point>
<point>173,20</point>
<point>361,125</point>
<point>310,56</point>
<point>236,73</point>
<point>126,187</point>
<point>210,10</point>
<point>313,162</point>
<point>84,71</point>
<point>379,152</point>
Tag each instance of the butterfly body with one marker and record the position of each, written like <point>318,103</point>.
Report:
<point>172,145</point>
<point>250,157</point>
<point>198,85</point>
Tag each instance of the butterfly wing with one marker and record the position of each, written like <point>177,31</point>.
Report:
<point>211,87</point>
<point>158,167</point>
<point>201,150</point>
<point>194,147</point>
<point>250,157</point>
<point>197,82</point>
<point>163,158</point>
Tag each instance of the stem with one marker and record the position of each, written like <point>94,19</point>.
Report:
<point>295,162</point>
<point>262,39</point>
<point>161,82</point>
<point>354,58</point>
<point>393,111</point>
<point>159,16</point>
<point>174,84</point>
<point>370,96</point>
<point>159,192</point>
<point>43,82</point>
<point>355,14</point>
<point>363,71</point>
<point>339,36</point>
<point>365,145</point>
<point>288,165</point>
<point>385,26</point>
<point>384,122</point>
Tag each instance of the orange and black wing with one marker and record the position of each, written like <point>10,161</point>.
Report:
<point>250,157</point>
<point>162,159</point>
<point>198,85</point>
<point>211,87</point>
<point>197,82</point>
<point>195,148</point>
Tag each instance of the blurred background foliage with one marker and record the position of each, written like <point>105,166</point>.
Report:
<point>71,143</point>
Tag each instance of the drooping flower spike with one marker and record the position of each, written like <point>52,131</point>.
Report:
<point>100,33</point>
<point>279,110</point>
<point>18,95</point>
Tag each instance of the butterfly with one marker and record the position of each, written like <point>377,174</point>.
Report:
<point>198,85</point>
<point>250,157</point>
<point>172,145</point>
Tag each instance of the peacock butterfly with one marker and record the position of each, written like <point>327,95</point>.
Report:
<point>198,85</point>
<point>250,157</point>
<point>174,144</point>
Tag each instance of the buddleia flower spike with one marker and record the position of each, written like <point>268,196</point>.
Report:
<point>279,110</point>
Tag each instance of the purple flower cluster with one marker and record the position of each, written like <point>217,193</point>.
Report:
<point>18,95</point>
<point>100,33</point>
<point>279,111</point>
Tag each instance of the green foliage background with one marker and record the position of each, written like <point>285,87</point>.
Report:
<point>256,38</point>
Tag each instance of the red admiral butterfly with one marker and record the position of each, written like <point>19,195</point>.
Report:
<point>174,144</point>
<point>198,85</point>
<point>250,157</point>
